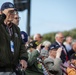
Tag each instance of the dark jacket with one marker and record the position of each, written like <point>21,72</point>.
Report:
<point>71,52</point>
<point>7,59</point>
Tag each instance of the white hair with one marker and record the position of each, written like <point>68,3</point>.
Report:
<point>57,34</point>
<point>46,43</point>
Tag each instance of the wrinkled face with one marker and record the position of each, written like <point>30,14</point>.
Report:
<point>16,19</point>
<point>9,14</point>
<point>60,38</point>
<point>53,52</point>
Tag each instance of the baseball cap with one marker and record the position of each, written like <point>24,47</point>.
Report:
<point>54,46</point>
<point>24,36</point>
<point>7,5</point>
<point>73,56</point>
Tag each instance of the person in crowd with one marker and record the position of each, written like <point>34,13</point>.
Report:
<point>34,65</point>
<point>73,50</point>
<point>53,62</point>
<point>16,18</point>
<point>12,49</point>
<point>45,47</point>
<point>71,69</point>
<point>68,43</point>
<point>24,36</point>
<point>59,38</point>
<point>37,37</point>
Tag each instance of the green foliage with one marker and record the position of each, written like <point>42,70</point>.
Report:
<point>51,36</point>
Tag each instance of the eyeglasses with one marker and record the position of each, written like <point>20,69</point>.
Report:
<point>17,18</point>
<point>61,37</point>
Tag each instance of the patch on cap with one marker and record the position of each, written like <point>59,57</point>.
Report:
<point>54,46</point>
<point>10,5</point>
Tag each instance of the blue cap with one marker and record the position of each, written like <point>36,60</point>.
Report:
<point>7,5</point>
<point>24,36</point>
<point>54,46</point>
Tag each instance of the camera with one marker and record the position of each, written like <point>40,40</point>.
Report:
<point>32,44</point>
<point>42,46</point>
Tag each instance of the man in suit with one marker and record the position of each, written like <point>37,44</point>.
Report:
<point>59,38</point>
<point>53,62</point>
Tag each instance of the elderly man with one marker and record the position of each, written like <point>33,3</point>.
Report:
<point>53,62</point>
<point>37,37</point>
<point>12,49</point>
<point>59,38</point>
<point>16,18</point>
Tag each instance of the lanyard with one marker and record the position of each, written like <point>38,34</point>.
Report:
<point>12,46</point>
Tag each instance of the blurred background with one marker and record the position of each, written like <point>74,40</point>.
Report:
<point>47,16</point>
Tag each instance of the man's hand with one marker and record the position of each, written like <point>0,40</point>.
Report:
<point>58,54</point>
<point>24,64</point>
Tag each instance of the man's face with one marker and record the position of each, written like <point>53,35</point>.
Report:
<point>53,52</point>
<point>9,14</point>
<point>60,38</point>
<point>39,38</point>
<point>16,19</point>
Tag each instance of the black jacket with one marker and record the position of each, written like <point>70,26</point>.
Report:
<point>6,57</point>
